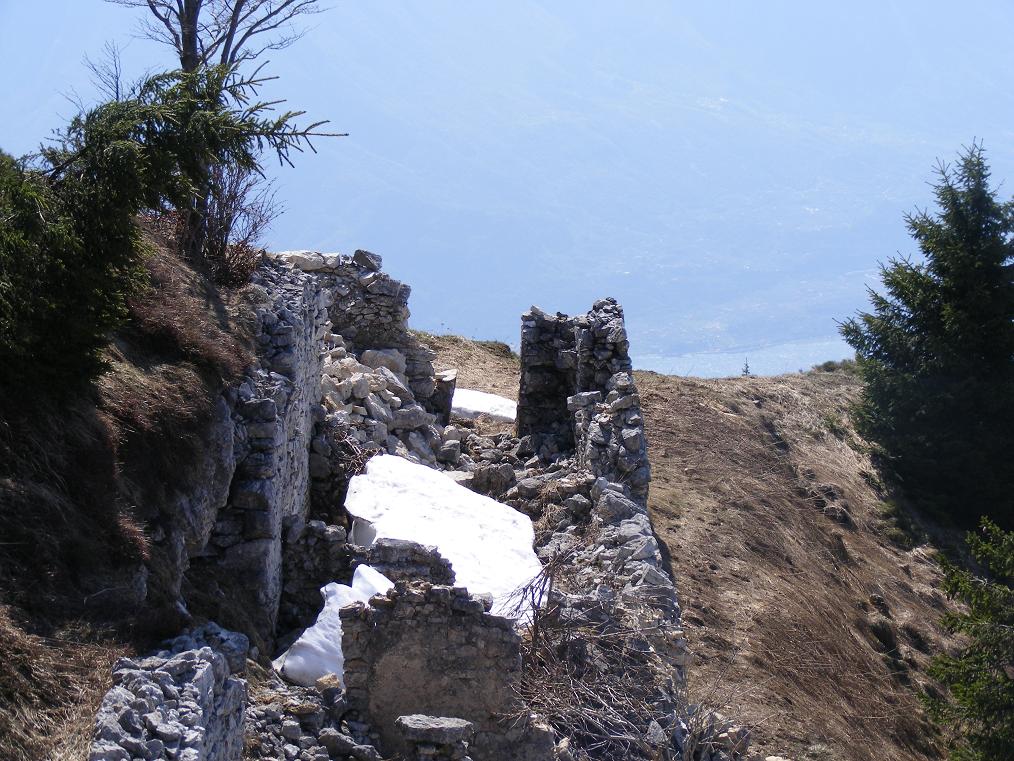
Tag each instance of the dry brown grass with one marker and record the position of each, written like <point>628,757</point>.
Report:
<point>488,366</point>
<point>61,511</point>
<point>781,599</point>
<point>181,316</point>
<point>51,688</point>
<point>772,601</point>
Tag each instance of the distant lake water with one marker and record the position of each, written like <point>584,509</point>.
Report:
<point>775,359</point>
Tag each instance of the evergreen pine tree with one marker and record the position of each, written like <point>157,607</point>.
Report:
<point>978,707</point>
<point>70,247</point>
<point>937,352</point>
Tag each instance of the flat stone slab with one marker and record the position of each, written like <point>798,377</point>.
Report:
<point>435,730</point>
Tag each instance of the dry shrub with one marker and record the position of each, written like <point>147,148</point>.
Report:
<point>164,226</point>
<point>596,681</point>
<point>241,207</point>
<point>348,459</point>
<point>237,263</point>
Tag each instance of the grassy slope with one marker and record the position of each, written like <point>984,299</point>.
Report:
<point>810,629</point>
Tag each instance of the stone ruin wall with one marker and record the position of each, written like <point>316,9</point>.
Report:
<point>426,647</point>
<point>243,527</point>
<point>548,377</point>
<point>370,311</point>
<point>276,407</point>
<point>432,649</point>
<point>254,495</point>
<point>323,554</point>
<point>577,393</point>
<point>181,703</point>
<point>579,409</point>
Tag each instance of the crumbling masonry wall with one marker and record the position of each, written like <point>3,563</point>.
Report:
<point>276,407</point>
<point>183,706</point>
<point>322,554</point>
<point>426,647</point>
<point>548,377</point>
<point>433,650</point>
<point>370,311</point>
<point>577,393</point>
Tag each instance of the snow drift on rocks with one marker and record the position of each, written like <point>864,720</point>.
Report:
<point>318,651</point>
<point>470,404</point>
<point>489,544</point>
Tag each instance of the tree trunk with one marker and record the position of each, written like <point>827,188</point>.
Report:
<point>190,54</point>
<point>196,230</point>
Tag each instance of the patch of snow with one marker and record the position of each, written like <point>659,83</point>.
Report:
<point>469,404</point>
<point>488,544</point>
<point>318,651</point>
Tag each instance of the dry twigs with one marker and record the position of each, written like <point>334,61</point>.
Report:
<point>592,673</point>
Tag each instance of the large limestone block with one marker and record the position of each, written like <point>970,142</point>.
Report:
<point>392,359</point>
<point>308,261</point>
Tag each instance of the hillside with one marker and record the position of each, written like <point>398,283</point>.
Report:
<point>81,483</point>
<point>811,612</point>
<point>809,607</point>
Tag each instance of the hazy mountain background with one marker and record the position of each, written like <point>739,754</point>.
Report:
<point>731,171</point>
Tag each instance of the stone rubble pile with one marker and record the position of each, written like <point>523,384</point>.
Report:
<point>371,396</point>
<point>306,724</point>
<point>370,310</point>
<point>185,707</point>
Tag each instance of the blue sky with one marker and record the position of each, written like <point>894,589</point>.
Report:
<point>731,171</point>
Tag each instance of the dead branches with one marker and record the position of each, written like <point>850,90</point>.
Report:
<point>592,673</point>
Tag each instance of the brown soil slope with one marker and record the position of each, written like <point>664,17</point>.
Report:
<point>809,620</point>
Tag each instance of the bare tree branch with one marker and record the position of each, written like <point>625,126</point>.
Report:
<point>107,72</point>
<point>206,31</point>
